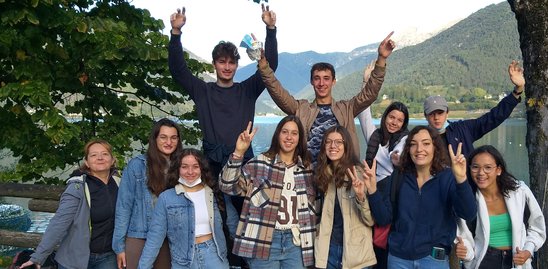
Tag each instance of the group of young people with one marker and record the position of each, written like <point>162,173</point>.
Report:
<point>309,201</point>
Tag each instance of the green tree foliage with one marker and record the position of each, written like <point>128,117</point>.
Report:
<point>72,70</point>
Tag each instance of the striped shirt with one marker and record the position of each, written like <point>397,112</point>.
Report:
<point>261,181</point>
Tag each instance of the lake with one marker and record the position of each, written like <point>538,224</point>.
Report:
<point>508,138</point>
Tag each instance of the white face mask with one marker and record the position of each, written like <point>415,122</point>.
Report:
<point>190,185</point>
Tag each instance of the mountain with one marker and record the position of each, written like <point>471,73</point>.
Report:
<point>466,62</point>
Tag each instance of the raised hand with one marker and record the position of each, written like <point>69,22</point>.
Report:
<point>357,184</point>
<point>516,75</point>
<point>386,47</point>
<point>244,140</point>
<point>177,20</point>
<point>458,163</point>
<point>521,256</point>
<point>369,177</point>
<point>395,157</point>
<point>269,17</point>
<point>368,69</point>
<point>460,249</point>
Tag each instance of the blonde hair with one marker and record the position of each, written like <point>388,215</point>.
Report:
<point>88,145</point>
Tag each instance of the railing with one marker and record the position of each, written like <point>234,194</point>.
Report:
<point>43,198</point>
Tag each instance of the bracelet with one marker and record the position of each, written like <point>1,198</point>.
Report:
<point>515,91</point>
<point>236,156</point>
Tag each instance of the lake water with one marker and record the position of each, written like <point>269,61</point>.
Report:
<point>508,138</point>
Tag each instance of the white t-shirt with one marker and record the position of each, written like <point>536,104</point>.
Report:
<point>287,213</point>
<point>201,215</point>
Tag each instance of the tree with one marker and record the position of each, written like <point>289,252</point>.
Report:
<point>533,30</point>
<point>71,70</point>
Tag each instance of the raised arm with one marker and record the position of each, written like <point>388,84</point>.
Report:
<point>234,180</point>
<point>359,187</point>
<point>463,198</point>
<point>176,60</point>
<point>271,43</point>
<point>283,99</point>
<point>498,114</point>
<point>370,89</point>
<point>365,118</point>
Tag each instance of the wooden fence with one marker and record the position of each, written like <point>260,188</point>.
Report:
<point>43,198</point>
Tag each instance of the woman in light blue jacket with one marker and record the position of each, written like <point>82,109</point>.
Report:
<point>189,215</point>
<point>143,179</point>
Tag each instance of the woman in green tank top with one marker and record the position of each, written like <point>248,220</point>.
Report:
<point>510,226</point>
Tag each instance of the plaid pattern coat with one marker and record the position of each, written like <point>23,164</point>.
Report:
<point>260,181</point>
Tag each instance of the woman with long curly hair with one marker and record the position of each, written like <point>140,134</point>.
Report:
<point>344,235</point>
<point>430,197</point>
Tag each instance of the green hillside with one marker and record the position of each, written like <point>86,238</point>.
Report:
<point>467,64</point>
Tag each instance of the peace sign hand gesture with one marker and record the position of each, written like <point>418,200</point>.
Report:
<point>268,16</point>
<point>244,140</point>
<point>177,21</point>
<point>458,163</point>
<point>368,180</point>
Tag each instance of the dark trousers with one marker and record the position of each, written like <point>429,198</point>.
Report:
<point>233,260</point>
<point>382,258</point>
<point>496,258</point>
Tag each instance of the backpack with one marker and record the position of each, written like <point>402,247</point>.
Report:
<point>24,256</point>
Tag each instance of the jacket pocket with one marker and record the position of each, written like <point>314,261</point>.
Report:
<point>180,232</point>
<point>259,195</point>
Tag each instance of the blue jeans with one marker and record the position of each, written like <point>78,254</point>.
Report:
<point>283,253</point>
<point>427,262</point>
<point>334,259</point>
<point>206,257</point>
<point>105,260</point>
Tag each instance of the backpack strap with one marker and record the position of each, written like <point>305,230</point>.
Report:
<point>397,181</point>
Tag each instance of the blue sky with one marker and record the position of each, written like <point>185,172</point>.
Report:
<point>318,25</point>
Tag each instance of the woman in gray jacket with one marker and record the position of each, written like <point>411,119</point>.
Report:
<point>84,221</point>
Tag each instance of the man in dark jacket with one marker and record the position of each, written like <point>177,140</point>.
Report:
<point>436,111</point>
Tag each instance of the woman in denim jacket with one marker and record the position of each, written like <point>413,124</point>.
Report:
<point>143,179</point>
<point>189,215</point>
